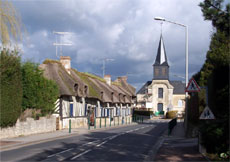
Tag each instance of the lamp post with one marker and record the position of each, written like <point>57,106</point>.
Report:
<point>186,46</point>
<point>186,63</point>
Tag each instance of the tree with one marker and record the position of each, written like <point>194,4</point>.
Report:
<point>10,23</point>
<point>213,11</point>
<point>10,88</point>
<point>38,92</point>
<point>215,75</point>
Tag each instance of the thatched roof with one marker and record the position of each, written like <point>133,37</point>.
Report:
<point>87,85</point>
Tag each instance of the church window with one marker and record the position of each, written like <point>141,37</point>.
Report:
<point>163,71</point>
<point>180,103</point>
<point>156,72</point>
<point>160,92</point>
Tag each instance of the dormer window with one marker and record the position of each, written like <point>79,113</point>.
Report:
<point>112,96</point>
<point>124,97</point>
<point>119,97</point>
<point>102,95</point>
<point>75,87</point>
<point>86,90</point>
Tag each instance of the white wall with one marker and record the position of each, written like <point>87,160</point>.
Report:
<point>28,127</point>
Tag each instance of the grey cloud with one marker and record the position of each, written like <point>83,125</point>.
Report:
<point>119,29</point>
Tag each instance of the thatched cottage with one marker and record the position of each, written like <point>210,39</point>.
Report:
<point>85,96</point>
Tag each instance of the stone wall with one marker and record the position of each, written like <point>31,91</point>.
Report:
<point>79,122</point>
<point>28,127</point>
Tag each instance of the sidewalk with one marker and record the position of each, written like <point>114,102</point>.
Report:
<point>16,142</point>
<point>177,147</point>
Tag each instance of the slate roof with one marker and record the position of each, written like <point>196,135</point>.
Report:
<point>143,88</point>
<point>179,87</point>
<point>161,58</point>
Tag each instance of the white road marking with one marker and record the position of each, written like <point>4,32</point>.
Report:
<point>59,152</point>
<point>101,144</point>
<point>89,143</point>
<point>85,152</point>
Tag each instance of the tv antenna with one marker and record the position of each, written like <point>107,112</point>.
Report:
<point>60,43</point>
<point>103,65</point>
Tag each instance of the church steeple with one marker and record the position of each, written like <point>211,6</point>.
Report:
<point>161,67</point>
<point>161,54</point>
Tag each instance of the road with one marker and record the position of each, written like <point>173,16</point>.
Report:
<point>129,143</point>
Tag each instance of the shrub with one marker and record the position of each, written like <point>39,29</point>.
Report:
<point>38,92</point>
<point>10,87</point>
<point>144,113</point>
<point>215,136</point>
<point>171,114</point>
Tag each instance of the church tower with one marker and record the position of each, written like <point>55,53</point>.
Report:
<point>161,67</point>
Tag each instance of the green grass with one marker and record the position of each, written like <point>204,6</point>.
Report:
<point>95,77</point>
<point>49,61</point>
<point>116,83</point>
<point>85,79</point>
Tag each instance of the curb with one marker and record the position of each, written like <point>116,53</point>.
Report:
<point>152,154</point>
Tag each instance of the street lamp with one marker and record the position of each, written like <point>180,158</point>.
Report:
<point>186,46</point>
<point>186,62</point>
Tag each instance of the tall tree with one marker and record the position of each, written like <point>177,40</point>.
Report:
<point>10,23</point>
<point>215,75</point>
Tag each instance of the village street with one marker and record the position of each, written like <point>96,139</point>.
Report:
<point>126,143</point>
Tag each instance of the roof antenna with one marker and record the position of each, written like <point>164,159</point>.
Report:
<point>60,44</point>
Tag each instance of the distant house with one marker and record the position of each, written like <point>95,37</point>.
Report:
<point>161,95</point>
<point>85,96</point>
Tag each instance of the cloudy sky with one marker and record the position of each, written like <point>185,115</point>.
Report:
<point>122,30</point>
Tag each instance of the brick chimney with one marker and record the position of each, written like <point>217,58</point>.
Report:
<point>108,79</point>
<point>65,61</point>
<point>122,78</point>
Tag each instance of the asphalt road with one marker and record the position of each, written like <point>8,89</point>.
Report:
<point>131,143</point>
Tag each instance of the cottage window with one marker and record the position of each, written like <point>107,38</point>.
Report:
<point>86,90</point>
<point>160,92</point>
<point>112,96</point>
<point>76,87</point>
<point>119,97</point>
<point>71,110</point>
<point>101,95</point>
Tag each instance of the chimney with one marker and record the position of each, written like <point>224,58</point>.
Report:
<point>65,61</point>
<point>108,79</point>
<point>123,78</point>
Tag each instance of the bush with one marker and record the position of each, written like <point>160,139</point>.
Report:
<point>215,136</point>
<point>171,114</point>
<point>144,113</point>
<point>10,87</point>
<point>38,92</point>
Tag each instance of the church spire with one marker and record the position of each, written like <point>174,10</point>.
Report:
<point>161,58</point>
<point>161,67</point>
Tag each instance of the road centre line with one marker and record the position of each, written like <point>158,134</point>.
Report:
<point>101,143</point>
<point>59,152</point>
<point>89,143</point>
<point>81,154</point>
<point>98,145</point>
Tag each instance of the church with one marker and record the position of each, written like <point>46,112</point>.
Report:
<point>161,95</point>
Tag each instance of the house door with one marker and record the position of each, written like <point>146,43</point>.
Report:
<point>92,116</point>
<point>160,107</point>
